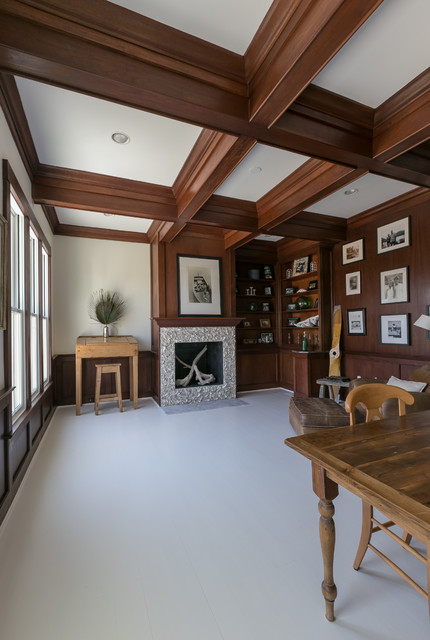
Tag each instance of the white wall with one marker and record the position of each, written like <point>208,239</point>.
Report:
<point>83,266</point>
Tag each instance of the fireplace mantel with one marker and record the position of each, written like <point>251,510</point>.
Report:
<point>197,321</point>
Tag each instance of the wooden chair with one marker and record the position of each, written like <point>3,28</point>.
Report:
<point>108,397</point>
<point>373,396</point>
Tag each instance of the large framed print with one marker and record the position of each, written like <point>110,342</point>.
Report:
<point>394,328</point>
<point>393,236</point>
<point>394,285</point>
<point>199,286</point>
<point>356,322</point>
<point>353,251</point>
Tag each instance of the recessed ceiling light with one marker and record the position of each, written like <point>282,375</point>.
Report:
<point>120,138</point>
<point>349,192</point>
<point>255,170</point>
<point>109,215</point>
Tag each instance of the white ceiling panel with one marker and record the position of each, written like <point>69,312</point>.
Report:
<point>231,25</point>
<point>387,52</point>
<point>74,131</point>
<point>371,191</point>
<point>261,170</point>
<point>101,221</point>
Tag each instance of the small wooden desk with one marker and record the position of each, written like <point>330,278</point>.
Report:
<point>113,347</point>
<point>385,463</point>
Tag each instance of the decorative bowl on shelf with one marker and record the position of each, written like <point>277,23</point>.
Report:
<point>303,303</point>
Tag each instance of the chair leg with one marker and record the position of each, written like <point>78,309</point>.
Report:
<point>97,395</point>
<point>366,532</point>
<point>118,388</point>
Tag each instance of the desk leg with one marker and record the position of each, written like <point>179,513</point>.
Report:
<point>326,490</point>
<point>135,364</point>
<point>78,385</point>
<point>322,391</point>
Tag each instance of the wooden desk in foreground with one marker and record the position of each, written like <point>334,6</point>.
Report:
<point>386,463</point>
<point>113,347</point>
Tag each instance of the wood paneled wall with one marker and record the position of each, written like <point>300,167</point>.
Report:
<point>365,355</point>
<point>64,371</point>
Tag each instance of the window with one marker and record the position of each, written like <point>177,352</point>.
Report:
<point>30,308</point>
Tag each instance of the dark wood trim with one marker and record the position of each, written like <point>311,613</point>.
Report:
<point>236,239</point>
<point>51,216</point>
<point>10,102</point>
<point>101,234</point>
<point>56,186</point>
<point>228,213</point>
<point>197,321</point>
<point>315,227</point>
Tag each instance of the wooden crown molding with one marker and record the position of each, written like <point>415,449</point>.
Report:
<point>315,227</point>
<point>76,231</point>
<point>393,207</point>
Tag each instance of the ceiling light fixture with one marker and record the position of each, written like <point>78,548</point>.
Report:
<point>349,192</point>
<point>255,170</point>
<point>120,138</point>
<point>109,215</point>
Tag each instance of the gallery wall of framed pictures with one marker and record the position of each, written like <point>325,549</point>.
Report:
<point>382,281</point>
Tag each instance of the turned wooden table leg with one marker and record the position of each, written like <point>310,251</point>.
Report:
<point>326,490</point>
<point>327,539</point>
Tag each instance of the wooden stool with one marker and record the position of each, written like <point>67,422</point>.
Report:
<point>108,397</point>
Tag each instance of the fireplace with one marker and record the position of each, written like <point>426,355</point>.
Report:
<point>181,340</point>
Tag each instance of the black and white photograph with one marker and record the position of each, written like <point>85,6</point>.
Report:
<point>199,286</point>
<point>393,236</point>
<point>353,283</point>
<point>268,291</point>
<point>267,337</point>
<point>356,322</point>
<point>394,285</point>
<point>353,251</point>
<point>300,265</point>
<point>394,329</point>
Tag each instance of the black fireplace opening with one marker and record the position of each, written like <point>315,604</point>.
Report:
<point>210,362</point>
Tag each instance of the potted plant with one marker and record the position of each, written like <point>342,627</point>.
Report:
<point>106,307</point>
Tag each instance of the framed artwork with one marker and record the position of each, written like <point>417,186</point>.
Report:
<point>353,283</point>
<point>3,229</point>
<point>313,284</point>
<point>267,337</point>
<point>253,306</point>
<point>268,291</point>
<point>199,286</point>
<point>394,285</point>
<point>300,265</point>
<point>291,322</point>
<point>393,236</point>
<point>353,251</point>
<point>265,306</point>
<point>291,306</point>
<point>265,323</point>
<point>356,322</point>
<point>394,328</point>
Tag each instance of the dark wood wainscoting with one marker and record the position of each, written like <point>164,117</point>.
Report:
<point>64,378</point>
<point>18,444</point>
<point>257,367</point>
<point>368,365</point>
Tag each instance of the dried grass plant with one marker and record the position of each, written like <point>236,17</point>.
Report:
<point>106,307</point>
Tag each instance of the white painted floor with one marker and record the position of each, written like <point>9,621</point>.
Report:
<point>199,526</point>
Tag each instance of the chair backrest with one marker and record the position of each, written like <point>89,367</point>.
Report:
<point>373,397</point>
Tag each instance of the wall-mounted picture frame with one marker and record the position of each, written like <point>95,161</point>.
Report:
<point>353,251</point>
<point>199,286</point>
<point>267,337</point>
<point>394,285</point>
<point>356,322</point>
<point>300,266</point>
<point>3,234</point>
<point>353,283</point>
<point>291,322</point>
<point>394,235</point>
<point>394,328</point>
<point>265,323</point>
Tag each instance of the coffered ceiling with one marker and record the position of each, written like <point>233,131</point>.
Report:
<point>248,117</point>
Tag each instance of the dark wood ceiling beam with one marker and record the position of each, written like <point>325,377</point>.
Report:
<point>228,213</point>
<point>418,159</point>
<point>295,41</point>
<point>403,121</point>
<point>236,239</point>
<point>312,226</point>
<point>310,183</point>
<point>76,231</point>
<point>214,156</point>
<point>95,192</point>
